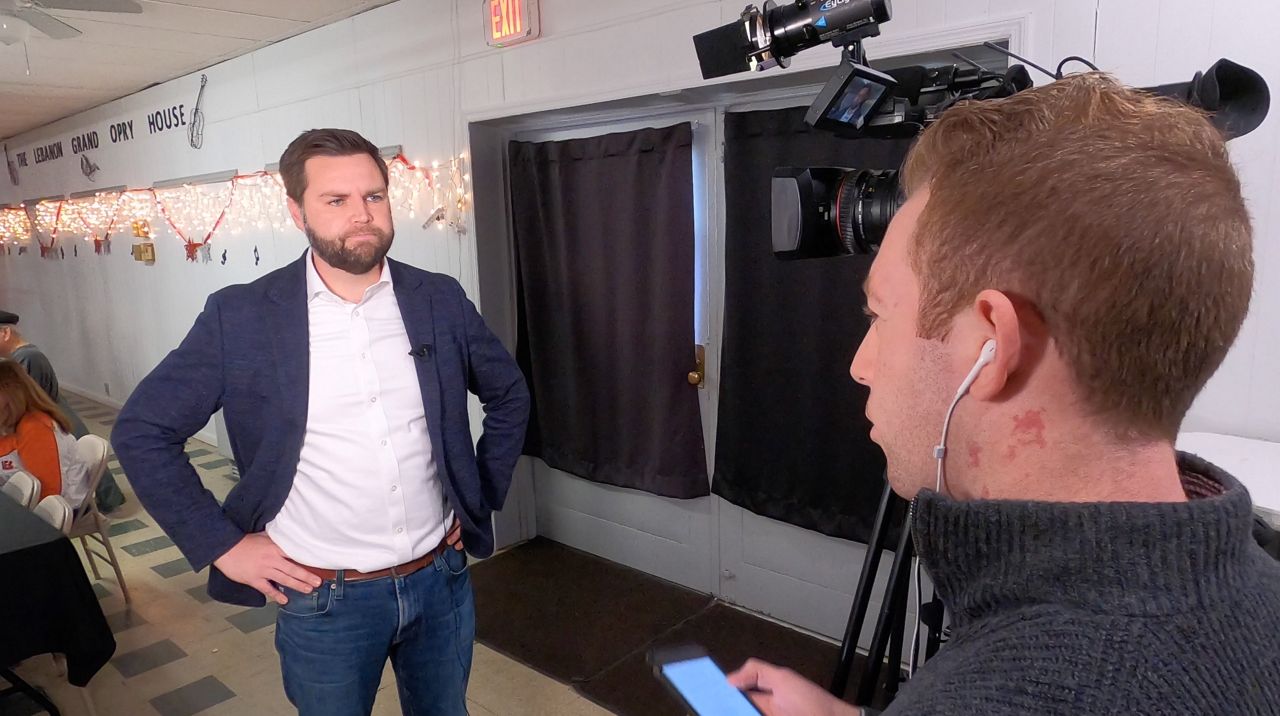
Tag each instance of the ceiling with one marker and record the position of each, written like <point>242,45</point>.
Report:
<point>119,54</point>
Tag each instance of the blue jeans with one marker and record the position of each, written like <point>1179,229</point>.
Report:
<point>334,642</point>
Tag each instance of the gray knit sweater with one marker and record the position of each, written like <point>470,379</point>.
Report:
<point>1120,608</point>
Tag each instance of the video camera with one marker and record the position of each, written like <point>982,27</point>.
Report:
<point>836,211</point>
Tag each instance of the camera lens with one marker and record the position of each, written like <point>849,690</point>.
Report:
<point>866,201</point>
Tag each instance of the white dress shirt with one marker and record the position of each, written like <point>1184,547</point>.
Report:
<point>366,495</point>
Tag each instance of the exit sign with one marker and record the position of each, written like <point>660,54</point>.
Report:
<point>510,22</point>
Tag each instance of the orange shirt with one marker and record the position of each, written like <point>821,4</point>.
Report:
<point>37,448</point>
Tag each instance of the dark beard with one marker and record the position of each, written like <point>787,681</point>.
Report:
<point>357,261</point>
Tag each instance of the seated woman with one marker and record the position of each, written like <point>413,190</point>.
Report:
<point>35,436</point>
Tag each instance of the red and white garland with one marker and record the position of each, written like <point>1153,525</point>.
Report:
<point>196,214</point>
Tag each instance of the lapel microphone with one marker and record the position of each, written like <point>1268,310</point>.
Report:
<point>422,352</point>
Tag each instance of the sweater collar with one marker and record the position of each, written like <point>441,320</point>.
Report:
<point>987,556</point>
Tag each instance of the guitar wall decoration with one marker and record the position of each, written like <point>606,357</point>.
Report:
<point>13,168</point>
<point>195,132</point>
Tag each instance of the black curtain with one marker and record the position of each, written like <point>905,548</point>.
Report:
<point>792,440</point>
<point>605,259</point>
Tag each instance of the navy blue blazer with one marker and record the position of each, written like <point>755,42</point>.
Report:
<point>249,354</point>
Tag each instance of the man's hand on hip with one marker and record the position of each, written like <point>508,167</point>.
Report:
<point>256,561</point>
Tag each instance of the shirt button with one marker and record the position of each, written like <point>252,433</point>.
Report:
<point>399,530</point>
<point>364,355</point>
<point>356,314</point>
<point>374,399</point>
<point>395,487</point>
<point>384,443</point>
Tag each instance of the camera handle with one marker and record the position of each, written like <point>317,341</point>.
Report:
<point>851,42</point>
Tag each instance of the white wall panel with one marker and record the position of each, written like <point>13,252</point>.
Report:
<point>406,36</point>
<point>232,89</point>
<point>641,57</point>
<point>311,64</point>
<point>931,13</point>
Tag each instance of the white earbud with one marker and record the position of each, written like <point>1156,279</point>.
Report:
<point>985,357</point>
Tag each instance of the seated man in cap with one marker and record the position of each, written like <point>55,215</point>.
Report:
<point>37,365</point>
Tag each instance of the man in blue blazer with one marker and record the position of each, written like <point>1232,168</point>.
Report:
<point>343,378</point>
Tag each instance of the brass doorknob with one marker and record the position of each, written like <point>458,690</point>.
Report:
<point>699,371</point>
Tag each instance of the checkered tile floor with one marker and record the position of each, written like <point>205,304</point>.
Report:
<point>179,653</point>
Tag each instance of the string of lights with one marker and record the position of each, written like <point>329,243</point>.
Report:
<point>440,192</point>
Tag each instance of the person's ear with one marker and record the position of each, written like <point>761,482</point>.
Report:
<point>299,218</point>
<point>995,317</point>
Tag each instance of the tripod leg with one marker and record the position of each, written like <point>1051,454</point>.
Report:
<point>935,617</point>
<point>896,602</point>
<point>862,596</point>
<point>18,686</point>
<point>894,659</point>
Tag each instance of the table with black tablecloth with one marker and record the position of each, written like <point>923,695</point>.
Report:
<point>47,605</point>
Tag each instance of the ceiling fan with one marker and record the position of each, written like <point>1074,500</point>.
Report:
<point>19,17</point>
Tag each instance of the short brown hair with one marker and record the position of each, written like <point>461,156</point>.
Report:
<point>1116,213</point>
<point>326,142</point>
<point>19,395</point>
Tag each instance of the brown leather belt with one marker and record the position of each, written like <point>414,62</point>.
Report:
<point>400,570</point>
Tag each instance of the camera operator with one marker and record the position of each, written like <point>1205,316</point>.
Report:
<point>1071,265</point>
